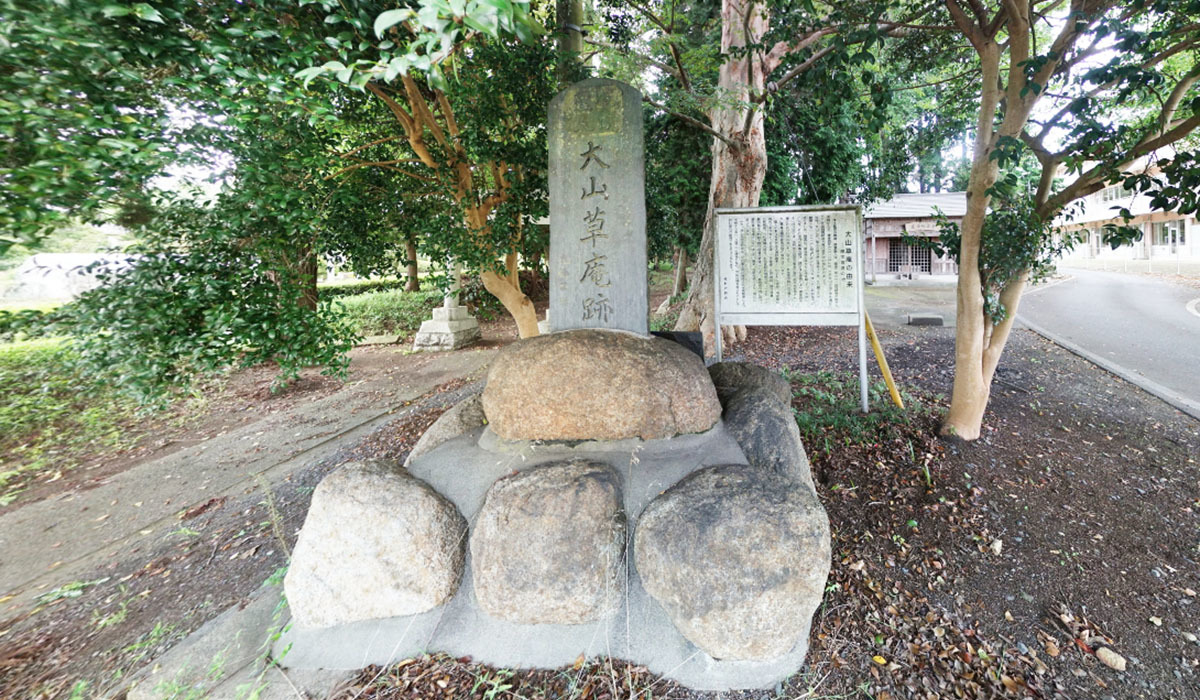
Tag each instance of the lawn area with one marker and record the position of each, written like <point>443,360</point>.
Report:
<point>51,416</point>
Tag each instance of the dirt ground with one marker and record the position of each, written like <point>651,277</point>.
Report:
<point>998,568</point>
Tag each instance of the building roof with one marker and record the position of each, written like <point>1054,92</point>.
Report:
<point>918,206</point>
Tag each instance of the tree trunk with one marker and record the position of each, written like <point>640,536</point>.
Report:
<point>304,268</point>
<point>681,261</point>
<point>569,14</point>
<point>514,300</point>
<point>739,166</point>
<point>410,264</point>
<point>969,396</point>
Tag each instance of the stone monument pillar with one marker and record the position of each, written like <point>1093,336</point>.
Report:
<point>452,326</point>
<point>597,208</point>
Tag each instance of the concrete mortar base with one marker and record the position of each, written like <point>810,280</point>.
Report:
<point>463,469</point>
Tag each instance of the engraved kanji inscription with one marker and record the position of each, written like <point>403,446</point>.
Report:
<point>603,191</point>
<point>590,156</point>
<point>597,307</point>
<point>596,270</point>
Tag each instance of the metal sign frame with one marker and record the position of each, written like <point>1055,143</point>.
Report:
<point>854,317</point>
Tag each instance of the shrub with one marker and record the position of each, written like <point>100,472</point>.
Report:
<point>382,313</point>
<point>27,324</point>
<point>184,311</point>
<point>50,409</point>
<point>345,289</point>
<point>828,412</point>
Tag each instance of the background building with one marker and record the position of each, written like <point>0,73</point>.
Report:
<point>1166,235</point>
<point>888,255</point>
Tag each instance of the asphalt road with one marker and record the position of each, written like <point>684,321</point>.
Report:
<point>1143,329</point>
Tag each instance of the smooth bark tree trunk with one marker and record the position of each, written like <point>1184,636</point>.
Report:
<point>507,288</point>
<point>679,284</point>
<point>738,166</point>
<point>969,396</point>
<point>410,265</point>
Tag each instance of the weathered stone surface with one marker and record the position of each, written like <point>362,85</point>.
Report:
<point>464,416</point>
<point>732,377</point>
<point>451,328</point>
<point>692,340</point>
<point>766,431</point>
<point>597,208</point>
<point>598,385</point>
<point>549,545</point>
<point>738,559</point>
<point>376,543</point>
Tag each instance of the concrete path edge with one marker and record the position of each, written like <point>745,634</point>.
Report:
<point>1192,408</point>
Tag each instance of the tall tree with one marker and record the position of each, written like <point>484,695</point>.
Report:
<point>477,139</point>
<point>752,63</point>
<point>1092,88</point>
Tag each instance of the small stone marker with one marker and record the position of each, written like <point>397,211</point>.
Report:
<point>452,326</point>
<point>597,208</point>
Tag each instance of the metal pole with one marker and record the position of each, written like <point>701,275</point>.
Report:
<point>716,269</point>
<point>862,318</point>
<point>862,360</point>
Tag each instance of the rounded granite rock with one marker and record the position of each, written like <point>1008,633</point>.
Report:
<point>548,545</point>
<point>731,378</point>
<point>463,417</point>
<point>737,557</point>
<point>598,385</point>
<point>377,543</point>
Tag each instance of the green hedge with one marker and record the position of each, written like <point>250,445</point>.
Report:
<point>27,324</point>
<point>382,313</point>
<point>51,412</point>
<point>345,289</point>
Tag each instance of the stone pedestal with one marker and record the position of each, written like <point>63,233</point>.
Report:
<point>451,327</point>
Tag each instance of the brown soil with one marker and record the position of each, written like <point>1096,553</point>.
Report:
<point>1072,525</point>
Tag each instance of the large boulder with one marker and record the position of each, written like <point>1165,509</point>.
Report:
<point>376,543</point>
<point>732,377</point>
<point>766,431</point>
<point>598,385</point>
<point>463,417</point>
<point>738,558</point>
<point>549,545</point>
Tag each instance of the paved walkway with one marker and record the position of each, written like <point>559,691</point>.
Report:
<point>1143,329</point>
<point>60,539</point>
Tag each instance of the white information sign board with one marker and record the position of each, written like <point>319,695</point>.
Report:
<point>791,266</point>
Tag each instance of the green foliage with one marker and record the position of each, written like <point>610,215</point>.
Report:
<point>345,289</point>
<point>28,324</point>
<point>51,412</point>
<point>1015,241</point>
<point>666,321</point>
<point>678,168</point>
<point>387,312</point>
<point>67,148</point>
<point>194,305</point>
<point>829,413</point>
<point>420,39</point>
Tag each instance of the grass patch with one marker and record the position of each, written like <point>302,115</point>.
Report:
<point>829,412</point>
<point>388,312</point>
<point>51,415</point>
<point>666,321</point>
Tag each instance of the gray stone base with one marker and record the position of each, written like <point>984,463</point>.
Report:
<point>925,319</point>
<point>450,328</point>
<point>640,630</point>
